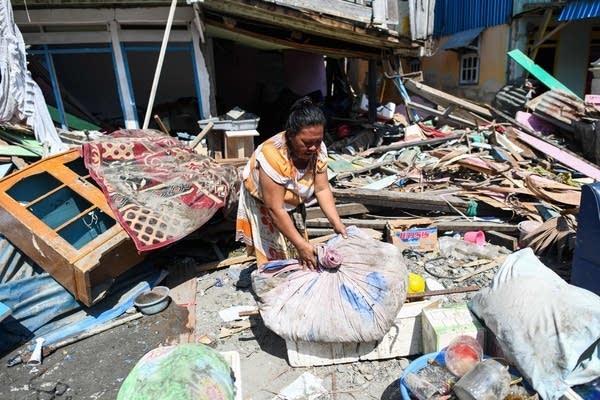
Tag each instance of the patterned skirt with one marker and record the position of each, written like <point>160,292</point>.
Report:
<point>255,228</point>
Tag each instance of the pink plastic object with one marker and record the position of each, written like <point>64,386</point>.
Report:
<point>462,355</point>
<point>475,237</point>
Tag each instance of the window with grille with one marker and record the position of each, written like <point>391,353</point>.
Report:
<point>469,68</point>
<point>414,65</point>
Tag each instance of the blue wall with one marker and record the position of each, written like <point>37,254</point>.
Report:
<point>453,16</point>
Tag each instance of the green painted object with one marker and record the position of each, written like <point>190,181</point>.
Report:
<point>72,121</point>
<point>538,71</point>
<point>182,372</point>
<point>22,145</point>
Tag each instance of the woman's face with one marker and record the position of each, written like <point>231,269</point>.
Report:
<point>307,142</point>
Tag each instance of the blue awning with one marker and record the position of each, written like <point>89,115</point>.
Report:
<point>581,9</point>
<point>461,39</point>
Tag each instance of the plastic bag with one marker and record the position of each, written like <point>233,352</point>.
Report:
<point>461,249</point>
<point>182,372</point>
<point>547,328</point>
<point>356,302</point>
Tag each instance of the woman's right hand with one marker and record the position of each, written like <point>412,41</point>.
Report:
<point>307,256</point>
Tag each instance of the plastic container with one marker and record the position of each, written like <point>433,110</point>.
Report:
<point>488,380</point>
<point>414,367</point>
<point>419,387</point>
<point>475,237</point>
<point>153,301</point>
<point>462,355</point>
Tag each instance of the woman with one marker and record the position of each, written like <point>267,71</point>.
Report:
<point>284,173</point>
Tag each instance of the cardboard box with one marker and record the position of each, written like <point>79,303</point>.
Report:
<point>403,339</point>
<point>422,239</point>
<point>441,325</point>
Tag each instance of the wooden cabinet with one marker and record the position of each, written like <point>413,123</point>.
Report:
<point>55,213</point>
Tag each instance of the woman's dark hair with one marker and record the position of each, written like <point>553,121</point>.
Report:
<point>303,113</point>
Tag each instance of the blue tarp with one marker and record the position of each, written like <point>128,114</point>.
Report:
<point>461,39</point>
<point>40,306</point>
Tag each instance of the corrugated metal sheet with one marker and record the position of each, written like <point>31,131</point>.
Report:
<point>580,9</point>
<point>452,16</point>
<point>461,39</point>
<point>520,5</point>
<point>15,265</point>
<point>558,107</point>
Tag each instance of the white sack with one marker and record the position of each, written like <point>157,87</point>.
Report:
<point>357,302</point>
<point>549,329</point>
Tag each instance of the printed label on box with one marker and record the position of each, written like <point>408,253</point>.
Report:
<point>424,239</point>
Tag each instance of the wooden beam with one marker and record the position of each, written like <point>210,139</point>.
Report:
<point>500,239</point>
<point>402,200</point>
<point>331,51</point>
<point>541,31</point>
<point>536,46</point>
<point>337,8</point>
<point>378,224</point>
<point>403,144</point>
<point>444,99</point>
<point>343,210</point>
<point>201,135</point>
<point>443,115</point>
<point>303,21</point>
<point>429,293</point>
<point>465,226</point>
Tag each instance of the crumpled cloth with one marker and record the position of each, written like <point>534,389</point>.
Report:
<point>328,257</point>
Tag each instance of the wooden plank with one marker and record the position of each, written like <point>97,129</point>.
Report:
<point>456,226</point>
<point>445,99</point>
<point>224,263</point>
<point>569,159</point>
<point>442,292</point>
<point>403,144</point>
<point>403,339</point>
<point>342,209</point>
<point>501,239</point>
<point>201,135</point>
<point>529,65</point>
<point>343,9</point>
<point>401,200</point>
<point>378,224</point>
<point>465,226</point>
<point>182,279</point>
<point>442,115</point>
<point>217,25</point>
<point>309,22</point>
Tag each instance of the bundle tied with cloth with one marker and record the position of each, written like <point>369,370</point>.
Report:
<point>353,296</point>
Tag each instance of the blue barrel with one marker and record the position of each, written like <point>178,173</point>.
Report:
<point>586,259</point>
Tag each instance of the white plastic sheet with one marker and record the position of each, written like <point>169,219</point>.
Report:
<point>549,329</point>
<point>20,97</point>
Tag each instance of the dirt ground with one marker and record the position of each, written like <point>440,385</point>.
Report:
<point>94,368</point>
